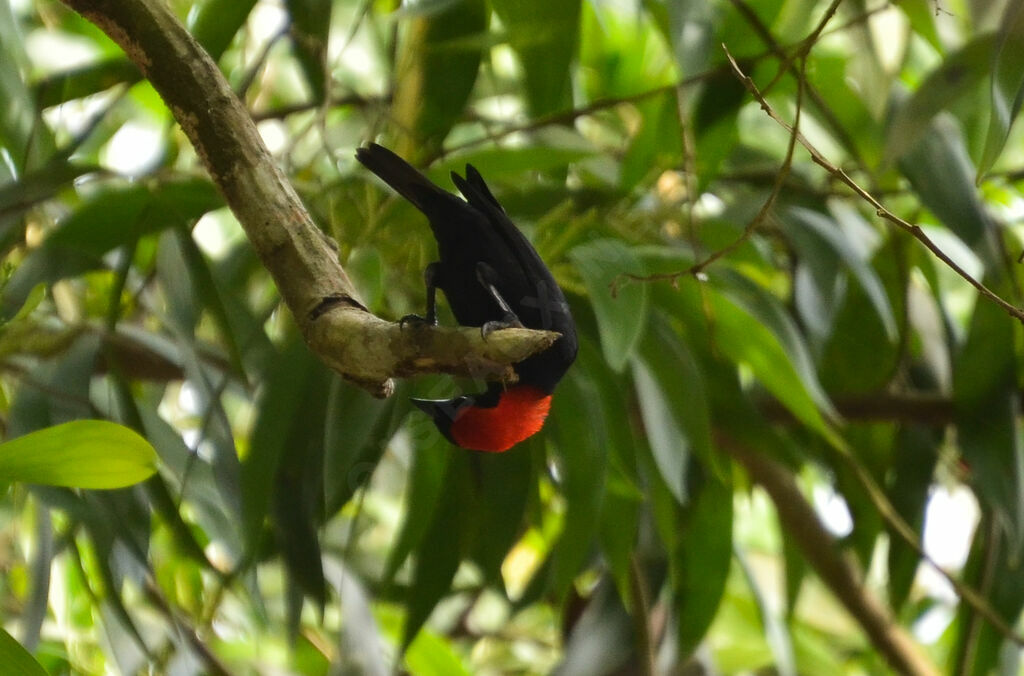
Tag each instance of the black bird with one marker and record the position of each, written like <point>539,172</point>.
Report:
<point>492,278</point>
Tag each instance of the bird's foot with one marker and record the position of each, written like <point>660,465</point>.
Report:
<point>417,320</point>
<point>509,321</point>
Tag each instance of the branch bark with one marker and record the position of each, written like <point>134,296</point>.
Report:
<point>361,347</point>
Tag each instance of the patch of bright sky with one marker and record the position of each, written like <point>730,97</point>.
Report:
<point>267,19</point>
<point>135,148</point>
<point>217,232</point>
<point>52,52</point>
<point>889,30</point>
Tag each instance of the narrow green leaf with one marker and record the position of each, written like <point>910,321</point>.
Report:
<point>16,660</point>
<point>432,655</point>
<point>544,35</point>
<point>215,23</point>
<point>439,552</point>
<point>673,406</point>
<point>582,460</point>
<point>504,481</point>
<point>916,455</point>
<point>745,339</point>
<point>109,219</point>
<point>81,454</point>
<point>699,563</point>
<point>423,494</point>
<point>435,72</point>
<point>940,172</point>
<point>311,24</point>
<point>957,76</point>
<point>620,319</point>
<point>852,252</point>
<point>1007,84</point>
<point>279,411</point>
<point>83,81</point>
<point>23,134</point>
<point>987,402</point>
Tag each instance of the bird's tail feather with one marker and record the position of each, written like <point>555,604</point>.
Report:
<point>400,175</point>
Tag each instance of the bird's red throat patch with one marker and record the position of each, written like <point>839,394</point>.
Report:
<point>520,413</point>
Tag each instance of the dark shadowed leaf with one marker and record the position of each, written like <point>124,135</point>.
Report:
<point>1007,69</point>
<point>958,75</point>
<point>311,23</point>
<point>215,23</point>
<point>620,318</point>
<point>582,462</point>
<point>544,35</point>
<point>438,554</point>
<point>942,175</point>
<point>435,72</point>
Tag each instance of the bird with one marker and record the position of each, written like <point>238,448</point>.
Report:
<point>492,278</point>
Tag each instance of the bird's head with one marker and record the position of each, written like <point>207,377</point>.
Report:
<point>494,421</point>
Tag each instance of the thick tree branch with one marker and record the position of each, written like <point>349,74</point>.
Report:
<point>361,347</point>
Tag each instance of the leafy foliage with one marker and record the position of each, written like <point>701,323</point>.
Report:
<point>736,299</point>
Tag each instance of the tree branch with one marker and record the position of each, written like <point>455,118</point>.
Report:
<point>361,347</point>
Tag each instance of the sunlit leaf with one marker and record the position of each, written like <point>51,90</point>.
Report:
<point>81,453</point>
<point>16,659</point>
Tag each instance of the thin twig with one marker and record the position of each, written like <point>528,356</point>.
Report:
<point>880,210</point>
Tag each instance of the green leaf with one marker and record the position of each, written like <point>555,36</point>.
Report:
<point>280,414</point>
<point>111,218</point>
<point>751,328</point>
<point>957,76</point>
<point>673,405</point>
<point>432,655</point>
<point>699,563</point>
<point>81,454</point>
<point>940,172</point>
<point>435,72</point>
<point>504,480</point>
<point>424,492</point>
<point>439,552</point>
<point>620,319</point>
<point>544,35</point>
<point>310,27</point>
<point>582,460</point>
<point>27,141</point>
<point>215,23</point>
<point>83,81</point>
<point>987,402</point>
<point>848,247</point>
<point>916,455</point>
<point>15,659</point>
<point>1007,84</point>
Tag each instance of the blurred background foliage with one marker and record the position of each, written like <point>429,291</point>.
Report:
<point>297,525</point>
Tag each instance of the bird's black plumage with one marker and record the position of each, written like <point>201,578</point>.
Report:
<point>475,238</point>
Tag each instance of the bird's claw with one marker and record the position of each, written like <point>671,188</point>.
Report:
<point>417,320</point>
<point>509,321</point>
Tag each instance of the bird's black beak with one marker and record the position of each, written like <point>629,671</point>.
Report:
<point>428,406</point>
